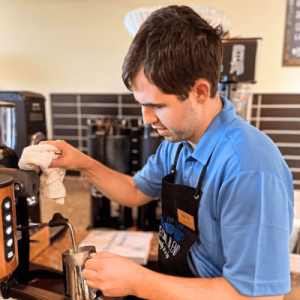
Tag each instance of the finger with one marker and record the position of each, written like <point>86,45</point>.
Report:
<point>55,163</point>
<point>93,264</point>
<point>91,284</point>
<point>89,274</point>
<point>103,254</point>
<point>53,143</point>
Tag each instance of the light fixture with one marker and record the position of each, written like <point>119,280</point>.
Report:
<point>134,19</point>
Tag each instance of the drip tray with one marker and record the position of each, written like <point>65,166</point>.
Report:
<point>51,285</point>
<point>46,279</point>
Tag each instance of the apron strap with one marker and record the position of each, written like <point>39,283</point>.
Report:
<point>198,191</point>
<point>173,168</point>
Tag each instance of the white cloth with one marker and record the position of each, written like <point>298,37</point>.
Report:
<point>38,158</point>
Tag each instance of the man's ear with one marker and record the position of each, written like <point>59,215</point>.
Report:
<point>201,90</point>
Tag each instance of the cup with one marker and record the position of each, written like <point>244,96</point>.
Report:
<point>73,264</point>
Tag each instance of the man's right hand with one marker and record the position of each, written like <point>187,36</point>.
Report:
<point>70,159</point>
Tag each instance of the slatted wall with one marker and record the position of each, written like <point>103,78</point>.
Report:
<point>278,116</point>
<point>70,113</point>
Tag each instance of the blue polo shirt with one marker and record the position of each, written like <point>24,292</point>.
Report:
<point>246,209</point>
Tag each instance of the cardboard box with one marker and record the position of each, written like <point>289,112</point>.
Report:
<point>39,241</point>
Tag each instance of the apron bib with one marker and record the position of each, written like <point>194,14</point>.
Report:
<point>179,222</point>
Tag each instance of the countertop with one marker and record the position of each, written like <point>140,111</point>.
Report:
<point>77,210</point>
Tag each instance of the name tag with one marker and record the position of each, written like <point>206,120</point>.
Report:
<point>186,219</point>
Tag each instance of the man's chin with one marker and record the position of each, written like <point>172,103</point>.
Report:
<point>172,139</point>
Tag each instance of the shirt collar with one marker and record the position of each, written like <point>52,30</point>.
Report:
<point>214,132</point>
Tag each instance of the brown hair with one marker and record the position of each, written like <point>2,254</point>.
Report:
<point>176,47</point>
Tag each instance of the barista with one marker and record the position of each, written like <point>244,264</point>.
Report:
<point>227,194</point>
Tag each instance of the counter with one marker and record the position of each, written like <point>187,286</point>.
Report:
<point>77,210</point>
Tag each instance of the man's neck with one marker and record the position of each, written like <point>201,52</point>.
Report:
<point>213,107</point>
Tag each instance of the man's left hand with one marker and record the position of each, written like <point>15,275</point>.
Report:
<point>114,275</point>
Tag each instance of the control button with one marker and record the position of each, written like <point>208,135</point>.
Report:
<point>7,205</point>
<point>9,242</point>
<point>7,218</point>
<point>10,254</point>
<point>8,230</point>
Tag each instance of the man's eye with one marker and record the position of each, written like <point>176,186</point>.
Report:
<point>157,107</point>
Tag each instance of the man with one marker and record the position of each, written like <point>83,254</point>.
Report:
<point>227,194</point>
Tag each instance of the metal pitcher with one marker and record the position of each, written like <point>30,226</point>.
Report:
<point>73,264</point>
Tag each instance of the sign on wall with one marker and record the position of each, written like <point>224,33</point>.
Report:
<point>291,53</point>
<point>240,59</point>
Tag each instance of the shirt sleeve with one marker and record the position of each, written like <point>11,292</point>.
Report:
<point>149,179</point>
<point>255,218</point>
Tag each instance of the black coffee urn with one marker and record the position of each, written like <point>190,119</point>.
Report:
<point>109,143</point>
<point>123,145</point>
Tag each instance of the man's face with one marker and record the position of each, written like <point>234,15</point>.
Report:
<point>175,120</point>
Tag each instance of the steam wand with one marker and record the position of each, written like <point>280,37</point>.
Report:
<point>57,220</point>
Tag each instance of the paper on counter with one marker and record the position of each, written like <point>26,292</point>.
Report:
<point>133,245</point>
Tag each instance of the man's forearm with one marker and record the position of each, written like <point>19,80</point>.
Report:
<point>155,286</point>
<point>114,185</point>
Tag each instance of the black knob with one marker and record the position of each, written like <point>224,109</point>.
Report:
<point>58,220</point>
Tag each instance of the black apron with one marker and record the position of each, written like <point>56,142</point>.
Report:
<point>179,222</point>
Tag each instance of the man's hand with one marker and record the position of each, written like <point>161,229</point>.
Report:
<point>114,275</point>
<point>70,159</point>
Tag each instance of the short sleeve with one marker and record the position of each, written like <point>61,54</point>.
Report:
<point>149,179</point>
<point>255,219</point>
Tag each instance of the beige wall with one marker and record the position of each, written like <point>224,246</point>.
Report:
<point>78,46</point>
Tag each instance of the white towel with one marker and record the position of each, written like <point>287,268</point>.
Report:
<point>38,158</point>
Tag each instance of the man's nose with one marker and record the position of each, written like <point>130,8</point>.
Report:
<point>149,115</point>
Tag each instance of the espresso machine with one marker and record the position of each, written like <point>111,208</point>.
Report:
<point>18,279</point>
<point>15,186</point>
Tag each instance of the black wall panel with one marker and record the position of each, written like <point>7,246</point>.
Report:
<point>278,116</point>
<point>70,113</point>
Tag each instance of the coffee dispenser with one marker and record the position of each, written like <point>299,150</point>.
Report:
<point>123,145</point>
<point>109,142</point>
<point>148,142</point>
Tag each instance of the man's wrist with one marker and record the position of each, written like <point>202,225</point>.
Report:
<point>86,165</point>
<point>144,281</point>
